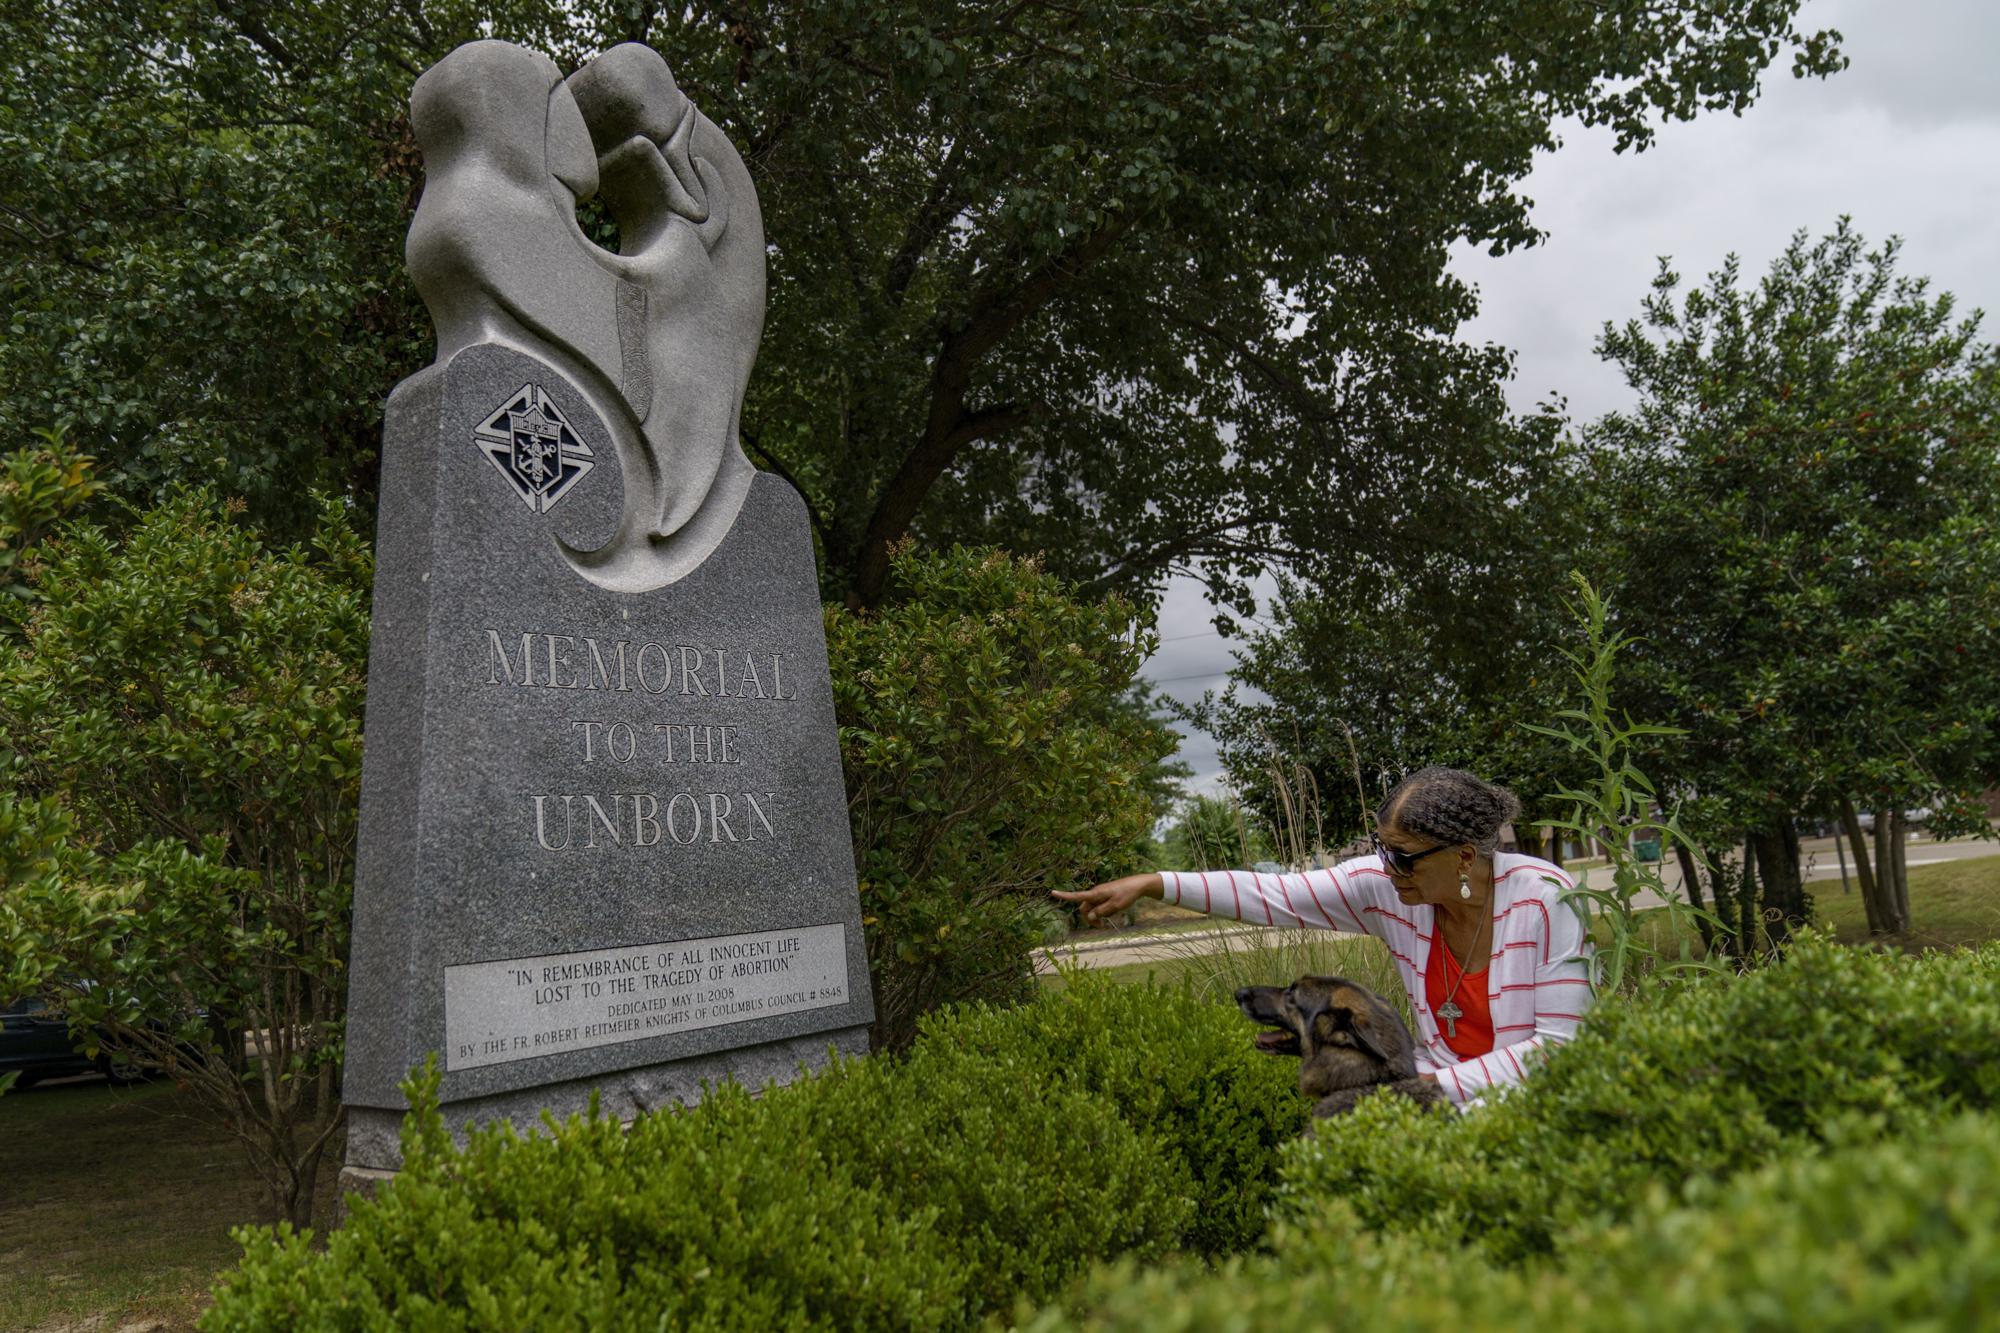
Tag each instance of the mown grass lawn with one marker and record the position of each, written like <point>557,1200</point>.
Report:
<point>1216,972</point>
<point>1164,971</point>
<point>1951,903</point>
<point>116,1206</point>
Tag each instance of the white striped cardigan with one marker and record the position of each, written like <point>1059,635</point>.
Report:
<point>1537,983</point>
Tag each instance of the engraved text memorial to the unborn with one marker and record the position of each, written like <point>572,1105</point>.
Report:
<point>603,845</point>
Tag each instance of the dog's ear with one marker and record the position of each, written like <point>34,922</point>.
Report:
<point>1364,1035</point>
<point>1391,1036</point>
<point>1345,1016</point>
<point>1362,1014</point>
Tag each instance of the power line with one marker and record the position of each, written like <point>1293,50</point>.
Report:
<point>1199,675</point>
<point>1216,633</point>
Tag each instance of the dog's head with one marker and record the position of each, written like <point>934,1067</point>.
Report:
<point>1346,1035</point>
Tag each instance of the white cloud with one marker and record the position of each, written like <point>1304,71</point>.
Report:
<point>1922,166</point>
<point>1923,61</point>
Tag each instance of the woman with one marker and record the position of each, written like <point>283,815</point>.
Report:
<point>1513,972</point>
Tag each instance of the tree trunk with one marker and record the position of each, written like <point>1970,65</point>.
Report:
<point>1778,902</point>
<point>1691,884</point>
<point>1529,839</point>
<point>1802,906</point>
<point>1899,855</point>
<point>1746,904</point>
<point>1895,915</point>
<point>1857,842</point>
<point>1770,893</point>
<point>954,426</point>
<point>305,1189</point>
<point>1555,847</point>
<point>1884,874</point>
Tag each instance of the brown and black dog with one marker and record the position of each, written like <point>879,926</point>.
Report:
<point>1348,1040</point>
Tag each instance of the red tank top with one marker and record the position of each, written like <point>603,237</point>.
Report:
<point>1471,1033</point>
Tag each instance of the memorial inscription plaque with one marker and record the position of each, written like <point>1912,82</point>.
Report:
<point>603,842</point>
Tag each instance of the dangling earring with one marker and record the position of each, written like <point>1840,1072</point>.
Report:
<point>1464,886</point>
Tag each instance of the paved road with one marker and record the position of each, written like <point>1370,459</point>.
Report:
<point>1821,864</point>
<point>1823,861</point>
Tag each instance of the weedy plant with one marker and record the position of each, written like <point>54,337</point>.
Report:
<point>1298,831</point>
<point>1636,907</point>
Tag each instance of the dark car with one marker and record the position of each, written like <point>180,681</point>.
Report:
<point>35,1043</point>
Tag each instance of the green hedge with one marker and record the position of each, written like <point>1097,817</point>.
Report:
<point>1696,1154</point>
<point>1813,1145</point>
<point>1007,1152</point>
<point>1709,1080</point>
<point>1897,1235</point>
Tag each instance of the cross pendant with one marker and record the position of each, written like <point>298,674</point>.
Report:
<point>1450,1013</point>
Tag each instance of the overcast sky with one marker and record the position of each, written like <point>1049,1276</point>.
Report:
<point>1906,141</point>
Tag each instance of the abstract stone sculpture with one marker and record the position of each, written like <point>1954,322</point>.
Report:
<point>659,337</point>
<point>604,849</point>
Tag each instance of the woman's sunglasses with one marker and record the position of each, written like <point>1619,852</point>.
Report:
<point>1397,861</point>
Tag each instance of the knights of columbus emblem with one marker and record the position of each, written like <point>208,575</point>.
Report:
<point>531,442</point>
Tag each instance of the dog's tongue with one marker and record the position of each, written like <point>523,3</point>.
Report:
<point>1273,1040</point>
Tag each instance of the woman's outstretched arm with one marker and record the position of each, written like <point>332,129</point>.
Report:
<point>1325,899</point>
<point>1113,896</point>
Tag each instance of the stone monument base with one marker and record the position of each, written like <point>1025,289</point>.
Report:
<point>374,1148</point>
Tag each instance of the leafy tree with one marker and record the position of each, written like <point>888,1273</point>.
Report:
<point>992,754</point>
<point>182,710</point>
<point>1373,667</point>
<point>198,257</point>
<point>1803,506</point>
<point>1215,833</point>
<point>1164,780</point>
<point>1133,285</point>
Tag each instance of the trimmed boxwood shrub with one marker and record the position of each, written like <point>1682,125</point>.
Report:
<point>1892,1235</point>
<point>1703,1081</point>
<point>1219,1110</point>
<point>1003,1155</point>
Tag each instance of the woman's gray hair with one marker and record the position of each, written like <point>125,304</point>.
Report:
<point>1450,806</point>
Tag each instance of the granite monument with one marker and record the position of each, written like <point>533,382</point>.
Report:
<point>603,840</point>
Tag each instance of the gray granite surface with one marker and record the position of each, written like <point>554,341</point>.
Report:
<point>604,840</point>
